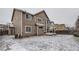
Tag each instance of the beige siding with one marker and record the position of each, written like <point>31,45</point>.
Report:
<point>20,21</point>
<point>17,22</point>
<point>44,19</point>
<point>27,22</point>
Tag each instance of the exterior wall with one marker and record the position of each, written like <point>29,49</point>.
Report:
<point>40,30</point>
<point>28,22</point>
<point>48,25</point>
<point>20,22</point>
<point>44,20</point>
<point>17,21</point>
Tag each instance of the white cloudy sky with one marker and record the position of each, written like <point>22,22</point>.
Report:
<point>67,16</point>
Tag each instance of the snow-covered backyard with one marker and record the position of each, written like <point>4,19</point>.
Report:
<point>40,43</point>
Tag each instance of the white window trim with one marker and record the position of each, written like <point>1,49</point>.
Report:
<point>28,26</point>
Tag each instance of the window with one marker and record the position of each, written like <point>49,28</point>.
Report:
<point>28,16</point>
<point>48,22</point>
<point>41,27</point>
<point>28,29</point>
<point>39,19</point>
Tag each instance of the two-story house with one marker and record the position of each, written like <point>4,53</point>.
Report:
<point>27,24</point>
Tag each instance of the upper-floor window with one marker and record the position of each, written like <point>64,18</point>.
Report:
<point>39,19</point>
<point>28,16</point>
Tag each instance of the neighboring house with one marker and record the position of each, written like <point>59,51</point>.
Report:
<point>27,24</point>
<point>59,27</point>
<point>77,25</point>
<point>3,29</point>
<point>52,27</point>
<point>6,29</point>
<point>70,30</point>
<point>11,29</point>
<point>1,26</point>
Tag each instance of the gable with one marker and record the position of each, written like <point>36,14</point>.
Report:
<point>13,14</point>
<point>14,10</point>
<point>42,14</point>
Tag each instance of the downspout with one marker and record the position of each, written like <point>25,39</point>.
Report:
<point>8,30</point>
<point>46,26</point>
<point>37,30</point>
<point>21,23</point>
<point>37,27</point>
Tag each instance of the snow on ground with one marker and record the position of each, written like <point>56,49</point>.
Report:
<point>40,43</point>
<point>8,43</point>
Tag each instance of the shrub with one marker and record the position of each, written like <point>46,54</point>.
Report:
<point>16,35</point>
<point>76,34</point>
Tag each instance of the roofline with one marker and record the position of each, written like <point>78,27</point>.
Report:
<point>59,24</point>
<point>20,11</point>
<point>41,12</point>
<point>12,15</point>
<point>28,13</point>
